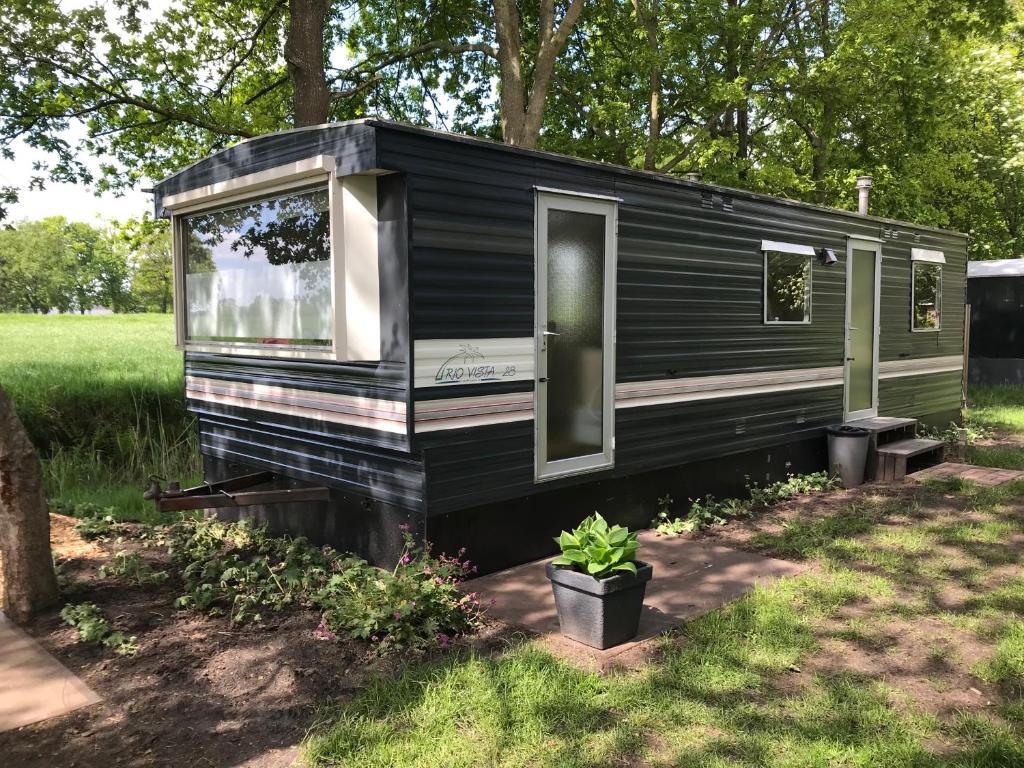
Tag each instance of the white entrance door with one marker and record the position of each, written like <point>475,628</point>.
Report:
<point>575,330</point>
<point>863,277</point>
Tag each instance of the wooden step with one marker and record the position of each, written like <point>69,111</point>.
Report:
<point>878,424</point>
<point>893,457</point>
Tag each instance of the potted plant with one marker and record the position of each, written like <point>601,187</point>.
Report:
<point>598,583</point>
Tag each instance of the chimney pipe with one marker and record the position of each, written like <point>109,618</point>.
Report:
<point>864,184</point>
<point>692,176</point>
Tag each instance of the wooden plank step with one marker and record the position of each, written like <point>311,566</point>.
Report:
<point>892,457</point>
<point>912,447</point>
<point>882,423</point>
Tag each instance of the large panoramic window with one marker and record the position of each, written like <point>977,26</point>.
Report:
<point>787,287</point>
<point>260,272</point>
<point>927,296</point>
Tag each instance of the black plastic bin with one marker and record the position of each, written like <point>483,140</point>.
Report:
<point>848,453</point>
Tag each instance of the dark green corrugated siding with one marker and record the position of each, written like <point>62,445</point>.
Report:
<point>919,396</point>
<point>897,342</point>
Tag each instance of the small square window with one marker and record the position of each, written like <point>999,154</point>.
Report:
<point>926,301</point>
<point>787,287</point>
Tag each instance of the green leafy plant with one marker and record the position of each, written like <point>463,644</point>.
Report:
<point>129,566</point>
<point>95,522</point>
<point>793,485</point>
<point>94,628</point>
<point>708,511</point>
<point>598,549</point>
<point>240,570</point>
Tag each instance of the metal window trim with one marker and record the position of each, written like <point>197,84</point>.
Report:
<point>794,248</point>
<point>875,246</point>
<point>927,255</point>
<point>257,184</point>
<point>913,296</point>
<point>545,200</point>
<point>809,292</point>
<point>572,193</point>
<point>178,239</point>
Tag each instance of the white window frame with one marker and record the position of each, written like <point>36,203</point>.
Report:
<point>355,288</point>
<point>913,294</point>
<point>772,246</point>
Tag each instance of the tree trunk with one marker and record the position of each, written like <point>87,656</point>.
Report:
<point>30,584</point>
<point>304,55</point>
<point>648,18</point>
<point>522,113</point>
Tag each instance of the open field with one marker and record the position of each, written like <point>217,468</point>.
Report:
<point>101,397</point>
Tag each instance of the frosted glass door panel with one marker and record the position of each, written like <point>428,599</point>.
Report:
<point>862,332</point>
<point>575,357</point>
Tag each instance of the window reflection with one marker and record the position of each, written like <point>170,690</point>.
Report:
<point>261,272</point>
<point>787,287</point>
<point>927,292</point>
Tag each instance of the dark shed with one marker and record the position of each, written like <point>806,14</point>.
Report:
<point>488,343</point>
<point>995,293</point>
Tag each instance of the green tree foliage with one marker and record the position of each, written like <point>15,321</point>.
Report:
<point>147,242</point>
<point>788,97</point>
<point>63,266</point>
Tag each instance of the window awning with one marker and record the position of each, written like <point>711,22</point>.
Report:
<point>772,245</point>
<point>923,254</point>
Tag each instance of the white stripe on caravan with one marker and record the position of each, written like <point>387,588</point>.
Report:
<point>892,369</point>
<point>368,413</point>
<point>664,391</point>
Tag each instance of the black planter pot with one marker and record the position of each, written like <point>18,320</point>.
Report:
<point>600,613</point>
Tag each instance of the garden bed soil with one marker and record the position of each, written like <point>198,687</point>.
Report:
<point>200,692</point>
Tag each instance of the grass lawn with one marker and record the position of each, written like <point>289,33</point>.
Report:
<point>902,645</point>
<point>102,398</point>
<point>1000,412</point>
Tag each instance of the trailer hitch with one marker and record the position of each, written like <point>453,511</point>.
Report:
<point>231,492</point>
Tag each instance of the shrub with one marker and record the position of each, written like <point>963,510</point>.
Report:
<point>415,606</point>
<point>239,569</point>
<point>597,549</point>
<point>94,628</point>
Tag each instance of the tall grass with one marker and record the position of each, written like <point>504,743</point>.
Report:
<point>102,399</point>
<point>997,407</point>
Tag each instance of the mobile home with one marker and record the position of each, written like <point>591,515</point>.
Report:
<point>995,294</point>
<point>486,343</point>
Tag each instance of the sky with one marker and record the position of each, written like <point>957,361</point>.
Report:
<point>72,201</point>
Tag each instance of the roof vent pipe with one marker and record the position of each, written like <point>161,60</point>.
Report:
<point>864,184</point>
<point>692,176</point>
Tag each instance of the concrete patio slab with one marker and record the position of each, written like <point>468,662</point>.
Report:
<point>989,476</point>
<point>690,579</point>
<point>34,686</point>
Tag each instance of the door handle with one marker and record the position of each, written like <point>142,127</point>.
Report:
<point>551,333</point>
<point>542,380</point>
<point>851,359</point>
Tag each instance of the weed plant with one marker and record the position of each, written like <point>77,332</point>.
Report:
<point>708,511</point>
<point>94,628</point>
